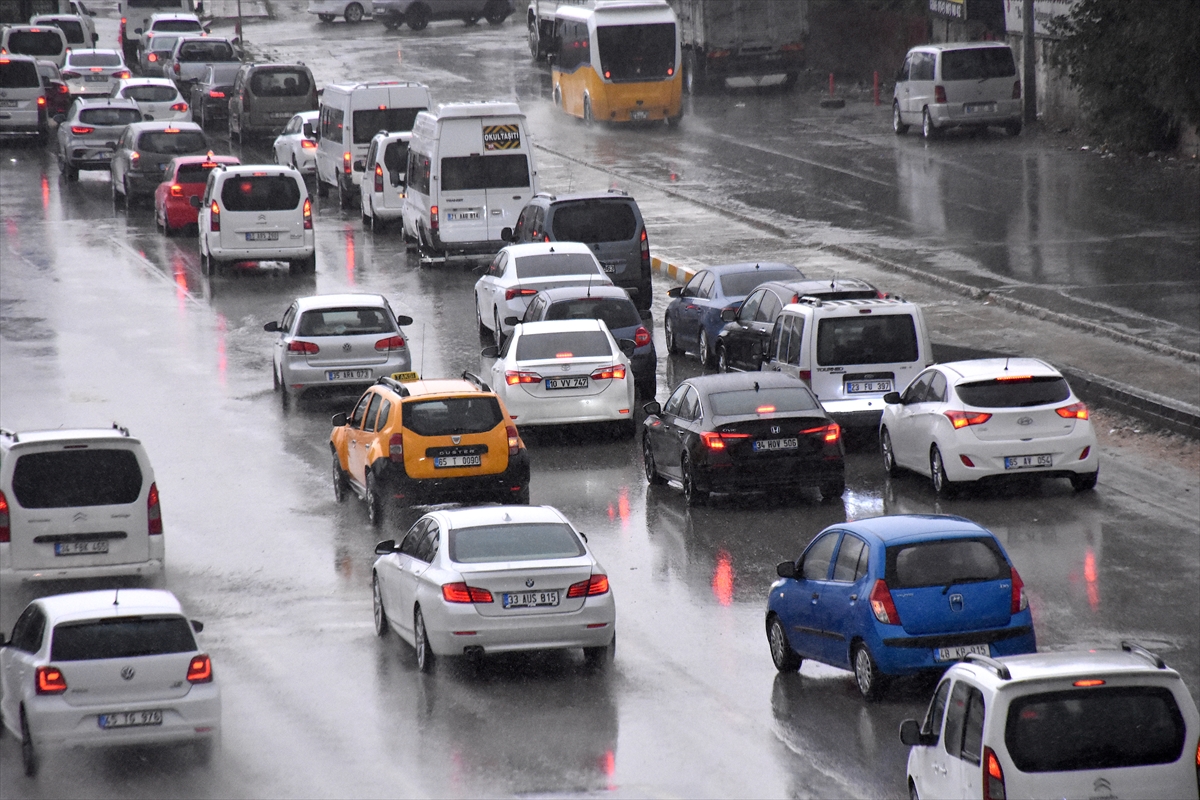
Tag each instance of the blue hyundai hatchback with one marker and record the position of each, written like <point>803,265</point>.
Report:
<point>895,596</point>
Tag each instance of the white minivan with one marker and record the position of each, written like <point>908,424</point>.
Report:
<point>351,115</point>
<point>953,84</point>
<point>850,352</point>
<point>470,172</point>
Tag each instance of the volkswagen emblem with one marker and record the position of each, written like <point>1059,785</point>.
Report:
<point>127,673</point>
<point>956,602</point>
<point>456,439</point>
<point>1025,421</point>
<point>775,429</point>
<point>529,582</point>
<point>346,347</point>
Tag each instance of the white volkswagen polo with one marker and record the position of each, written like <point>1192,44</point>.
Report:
<point>104,668</point>
<point>492,579</point>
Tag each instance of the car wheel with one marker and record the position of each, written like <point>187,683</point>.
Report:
<point>652,476</point>
<point>866,674</point>
<point>885,449</point>
<point>354,13</point>
<point>587,111</point>
<point>597,658</point>
<point>340,486</point>
<point>285,399</point>
<point>29,758</point>
<point>942,486</point>
<point>497,331</point>
<point>496,12</point>
<point>626,429</point>
<point>205,264</point>
<point>1013,128</point>
<point>1085,482</point>
<point>645,387</point>
<point>672,345</point>
<point>366,218</point>
<point>275,384</point>
<point>381,620</point>
<point>898,126</point>
<point>204,750</point>
<point>705,351</point>
<point>833,489</point>
<point>722,359</point>
<point>425,655</point>
<point>692,492</point>
<point>418,16</point>
<point>786,659</point>
<point>374,501</point>
<point>484,331</point>
<point>928,129</point>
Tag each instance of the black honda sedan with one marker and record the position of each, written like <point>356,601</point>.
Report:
<point>743,432</point>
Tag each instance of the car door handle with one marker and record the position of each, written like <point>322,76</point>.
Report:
<point>815,595</point>
<point>853,598</point>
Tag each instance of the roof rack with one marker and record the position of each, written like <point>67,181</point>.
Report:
<point>615,190</point>
<point>809,300</point>
<point>989,663</point>
<point>471,377</point>
<point>393,384</point>
<point>120,430</point>
<point>1138,650</point>
<point>10,434</point>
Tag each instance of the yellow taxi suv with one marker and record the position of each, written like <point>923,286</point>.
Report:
<point>416,442</point>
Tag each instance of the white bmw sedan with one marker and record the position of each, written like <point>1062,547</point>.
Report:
<point>105,668</point>
<point>492,579</point>
<point>967,420</point>
<point>565,371</point>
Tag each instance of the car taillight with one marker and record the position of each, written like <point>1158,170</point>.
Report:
<point>5,530</point>
<point>152,57</point>
<point>216,93</point>
<point>50,680</point>
<point>645,251</point>
<point>124,74</point>
<point>396,448</point>
<point>1016,90</point>
<point>176,190</point>
<point>1073,411</point>
<point>1019,601</point>
<point>308,144</point>
<point>347,166</point>
<point>81,130</point>
<point>154,511</point>
<point>715,440</point>
<point>597,584</point>
<point>961,419</point>
<point>389,344</point>
<point>993,776</point>
<point>214,217</point>
<point>829,433</point>
<point>308,214</point>
<point>179,107</point>
<point>939,94</point>
<point>379,177</point>
<point>461,593</point>
<point>514,440</point>
<point>509,294</point>
<point>615,372</point>
<point>513,377</point>
<point>176,68</point>
<point>41,101</point>
<point>641,337</point>
<point>200,669</point>
<point>308,348</point>
<point>433,218</point>
<point>882,605</point>
<point>134,158</point>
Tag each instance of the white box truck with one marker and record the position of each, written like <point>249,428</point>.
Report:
<point>759,42</point>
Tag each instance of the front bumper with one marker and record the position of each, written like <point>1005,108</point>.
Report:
<point>498,486</point>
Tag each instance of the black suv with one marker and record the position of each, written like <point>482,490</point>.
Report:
<point>607,222</point>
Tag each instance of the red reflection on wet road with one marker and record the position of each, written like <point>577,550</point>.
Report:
<point>608,763</point>
<point>350,259</point>
<point>1089,575</point>
<point>45,193</point>
<point>722,582</point>
<point>179,271</point>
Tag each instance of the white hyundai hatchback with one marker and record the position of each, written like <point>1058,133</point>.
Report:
<point>105,668</point>
<point>493,579</point>
<point>967,420</point>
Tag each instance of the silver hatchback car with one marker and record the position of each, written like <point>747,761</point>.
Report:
<point>337,344</point>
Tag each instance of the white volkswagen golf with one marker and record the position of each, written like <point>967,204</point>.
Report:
<point>104,668</point>
<point>492,579</point>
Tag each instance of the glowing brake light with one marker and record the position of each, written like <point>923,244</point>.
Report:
<point>389,344</point>
<point>50,680</point>
<point>513,377</point>
<point>1073,411</point>
<point>882,605</point>
<point>152,57</point>
<point>765,410</point>
<point>308,214</point>
<point>993,776</point>
<point>961,419</point>
<point>200,670</point>
<point>516,291</point>
<point>379,177</point>
<point>1088,683</point>
<point>715,440</point>
<point>154,512</point>
<point>308,348</point>
<point>41,101</point>
<point>123,74</point>
<point>433,219</point>
<point>1021,378</point>
<point>597,584</point>
<point>461,593</point>
<point>176,190</point>
<point>645,245</point>
<point>615,372</point>
<point>514,441</point>
<point>308,144</point>
<point>80,130</point>
<point>830,433</point>
<point>171,130</point>
<point>347,167</point>
<point>5,530</point>
<point>217,93</point>
<point>214,217</point>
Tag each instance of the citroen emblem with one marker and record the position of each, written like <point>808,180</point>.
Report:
<point>956,602</point>
<point>1025,421</point>
<point>1102,785</point>
<point>456,439</point>
<point>346,347</point>
<point>529,583</point>
<point>127,673</point>
<point>79,516</point>
<point>262,217</point>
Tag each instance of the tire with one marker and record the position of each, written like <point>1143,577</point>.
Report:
<point>418,16</point>
<point>484,331</point>
<point>535,45</point>
<point>693,82</point>
<point>366,218</point>
<point>204,750</point>
<point>598,658</point>
<point>29,759</point>
<point>375,512</point>
<point>912,791</point>
<point>495,13</point>
<point>673,347</point>
<point>425,656</point>
<point>626,429</point>
<point>285,398</point>
<point>898,126</point>
<point>340,485</point>
<point>205,264</point>
<point>1013,128</point>
<point>322,187</point>
<point>645,387</point>
<point>377,612</point>
<point>354,13</point>
<point>70,173</point>
<point>786,659</point>
<point>1085,482</point>
<point>833,490</point>
<point>652,476</point>
<point>275,384</point>
<point>704,351</point>
<point>722,359</point>
<point>588,118</point>
<point>928,129</point>
<point>942,486</point>
<point>130,200</point>
<point>867,676</point>
<point>497,331</point>
<point>889,455</point>
<point>692,493</point>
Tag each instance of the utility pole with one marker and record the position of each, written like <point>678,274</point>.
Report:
<point>1028,49</point>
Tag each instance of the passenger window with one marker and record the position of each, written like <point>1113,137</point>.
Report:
<point>535,224</point>
<point>918,389</point>
<point>769,309</point>
<point>359,410</point>
<point>937,709</point>
<point>972,740</point>
<point>937,389</point>
<point>706,288</point>
<point>289,317</point>
<point>427,549</point>
<point>372,412</point>
<point>385,411</point>
<point>779,339</point>
<point>412,540</point>
<point>794,349</point>
<point>902,75</point>
<point>675,401</point>
<point>692,289</point>
<point>690,410</point>
<point>750,307</point>
<point>845,569</point>
<point>520,229</point>
<point>27,632</point>
<point>956,716</point>
<point>816,560</point>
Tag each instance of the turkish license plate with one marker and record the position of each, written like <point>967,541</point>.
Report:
<point>978,108</point>
<point>95,78</point>
<point>281,114</point>
<point>863,387</point>
<point>609,266</point>
<point>348,374</point>
<point>959,653</point>
<point>80,548</point>
<point>461,216</point>
<point>530,599</point>
<point>635,115</point>
<point>130,719</point>
<point>8,103</point>
<point>763,445</point>
<point>262,236</point>
<point>442,462</point>
<point>567,383</point>
<point>1028,462</point>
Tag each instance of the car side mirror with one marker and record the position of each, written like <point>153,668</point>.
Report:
<point>728,314</point>
<point>491,351</point>
<point>308,130</point>
<point>507,235</point>
<point>674,291</point>
<point>511,321</point>
<point>360,166</point>
<point>892,398</point>
<point>910,734</point>
<point>652,409</point>
<point>386,547</point>
<point>403,320</point>
<point>95,38</point>
<point>60,118</point>
<point>270,327</point>
<point>197,626</point>
<point>137,30</point>
<point>3,640</point>
<point>194,201</point>
<point>339,419</point>
<point>786,569</point>
<point>627,346</point>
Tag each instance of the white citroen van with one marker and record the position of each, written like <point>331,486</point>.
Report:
<point>957,84</point>
<point>850,352</point>
<point>470,172</point>
<point>351,115</point>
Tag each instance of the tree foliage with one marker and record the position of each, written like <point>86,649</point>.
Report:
<point>1136,65</point>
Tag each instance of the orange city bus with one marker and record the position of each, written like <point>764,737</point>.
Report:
<point>617,61</point>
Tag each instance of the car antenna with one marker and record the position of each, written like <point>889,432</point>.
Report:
<point>1006,358</point>
<point>423,340</point>
<point>589,292</point>
<point>756,386</point>
<point>116,596</point>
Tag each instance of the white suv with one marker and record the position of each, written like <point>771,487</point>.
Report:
<point>77,504</point>
<point>1095,723</point>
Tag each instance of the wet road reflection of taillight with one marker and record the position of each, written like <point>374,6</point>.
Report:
<point>722,582</point>
<point>350,259</point>
<point>1089,577</point>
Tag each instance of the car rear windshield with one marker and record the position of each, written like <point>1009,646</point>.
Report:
<point>93,476</point>
<point>177,25</point>
<point>95,60</point>
<point>1106,727</point>
<point>1025,391</point>
<point>163,44</point>
<point>371,121</point>
<point>121,637</point>
<point>465,173</point>
<point>150,94</point>
<point>566,344</point>
<point>42,43</point>
<point>977,64</point>
<point>554,265</point>
<point>180,143</point>
<point>206,52</point>
<point>110,116</point>
<point>193,173</point>
<point>260,193</point>
<point>594,221</point>
<point>528,541</point>
<point>615,312</point>
<point>344,322</point>
<point>452,416</point>
<point>777,399</point>
<point>944,562</point>
<point>280,83</point>
<point>18,75</point>
<point>874,339</point>
<point>71,28</point>
<point>739,284</point>
<point>637,52</point>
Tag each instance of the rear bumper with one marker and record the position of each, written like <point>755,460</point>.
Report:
<point>605,406</point>
<point>521,632</point>
<point>948,115</point>
<point>857,413</point>
<point>477,248</point>
<point>193,717</point>
<point>497,486</point>
<point>988,457</point>
<point>301,378</point>
<point>771,473</point>
<point>147,568</point>
<point>907,655</point>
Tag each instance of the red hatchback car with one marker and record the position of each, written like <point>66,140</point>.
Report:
<point>183,179</point>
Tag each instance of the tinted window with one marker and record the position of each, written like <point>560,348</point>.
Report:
<point>514,542</point>
<point>427,547</point>
<point>193,173</point>
<point>1014,393</point>
<point>452,416</point>
<point>70,28</point>
<point>740,284</point>
<point>594,222</point>
<point>181,144</point>
<point>556,264</point>
<point>161,44</point>
<point>922,66</point>
<point>373,120</point>
<point>19,75</point>
<point>977,64</point>
<point>937,709</point>
<point>972,738</point>
<point>206,52</point>
<point>636,52</point>
<point>816,560</point>
<point>95,60</point>
<point>956,717</point>
<point>260,193</point>
<point>344,322</point>
<point>1094,729</point>
<point>483,172</point>
<point>779,398</point>
<point>692,289</point>
<point>418,172</point>
<point>110,116</point>
<point>793,351</point>
<point>769,309</point>
<point>43,43</point>
<point>867,339</point>
<point>849,559</point>
<point>394,159</point>
<point>282,83</point>
<point>150,94</point>
<point>177,25</point>
<point>615,312</point>
<point>372,412</point>
<point>121,637</point>
<point>69,478</point>
<point>28,630</point>
<point>937,389</point>
<point>939,563</point>
<point>537,346</point>
<point>689,409</point>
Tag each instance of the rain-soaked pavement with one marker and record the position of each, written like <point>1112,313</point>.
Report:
<point>102,319</point>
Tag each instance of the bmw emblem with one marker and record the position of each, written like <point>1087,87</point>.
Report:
<point>127,673</point>
<point>529,583</point>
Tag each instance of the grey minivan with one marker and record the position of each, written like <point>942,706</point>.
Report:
<point>266,96</point>
<point>957,84</point>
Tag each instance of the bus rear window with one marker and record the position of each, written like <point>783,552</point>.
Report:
<point>630,53</point>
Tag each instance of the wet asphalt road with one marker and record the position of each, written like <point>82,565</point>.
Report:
<point>104,319</point>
